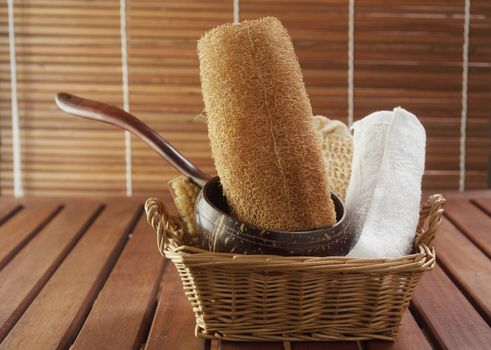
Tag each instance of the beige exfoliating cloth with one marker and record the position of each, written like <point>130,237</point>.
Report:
<point>337,147</point>
<point>265,148</point>
<point>185,192</point>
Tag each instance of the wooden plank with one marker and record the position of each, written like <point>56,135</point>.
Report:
<point>472,221</point>
<point>467,265</point>
<point>477,194</point>
<point>17,231</point>
<point>29,270</point>
<point>230,345</point>
<point>8,208</point>
<point>174,323</point>
<point>410,337</point>
<point>325,346</point>
<point>54,318</point>
<point>484,204</point>
<point>122,311</point>
<point>451,320</point>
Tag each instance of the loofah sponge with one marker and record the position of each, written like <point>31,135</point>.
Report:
<point>184,192</point>
<point>337,147</point>
<point>265,148</point>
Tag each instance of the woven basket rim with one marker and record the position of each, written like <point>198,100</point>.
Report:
<point>189,251</point>
<point>171,243</point>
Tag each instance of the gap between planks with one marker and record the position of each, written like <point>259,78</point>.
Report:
<point>56,315</point>
<point>367,345</point>
<point>445,313</point>
<point>10,209</point>
<point>467,266</point>
<point>26,223</point>
<point>472,221</point>
<point>39,260</point>
<point>483,203</point>
<point>122,313</point>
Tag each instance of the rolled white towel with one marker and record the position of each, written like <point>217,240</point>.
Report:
<point>384,193</point>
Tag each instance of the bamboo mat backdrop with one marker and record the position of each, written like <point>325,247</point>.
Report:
<point>406,52</point>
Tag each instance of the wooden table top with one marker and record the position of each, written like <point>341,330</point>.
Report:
<point>86,274</point>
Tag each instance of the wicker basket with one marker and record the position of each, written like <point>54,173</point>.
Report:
<point>275,298</point>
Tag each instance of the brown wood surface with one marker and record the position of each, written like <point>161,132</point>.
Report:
<point>133,283</point>
<point>80,282</point>
<point>469,267</point>
<point>38,260</point>
<point>410,337</point>
<point>62,304</point>
<point>407,53</point>
<point>474,223</point>
<point>227,345</point>
<point>7,209</point>
<point>449,317</point>
<point>484,204</point>
<point>325,346</point>
<point>16,232</point>
<point>173,323</point>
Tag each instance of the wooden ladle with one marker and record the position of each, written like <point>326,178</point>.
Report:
<point>219,230</point>
<point>113,115</point>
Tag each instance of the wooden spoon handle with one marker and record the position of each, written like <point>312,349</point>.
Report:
<point>113,115</point>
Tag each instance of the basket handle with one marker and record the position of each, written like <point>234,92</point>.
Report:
<point>170,229</point>
<point>432,212</point>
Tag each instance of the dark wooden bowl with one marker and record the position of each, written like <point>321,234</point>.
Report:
<point>219,231</point>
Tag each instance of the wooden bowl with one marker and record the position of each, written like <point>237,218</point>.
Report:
<point>219,231</point>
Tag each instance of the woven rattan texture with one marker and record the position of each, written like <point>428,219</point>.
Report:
<point>259,297</point>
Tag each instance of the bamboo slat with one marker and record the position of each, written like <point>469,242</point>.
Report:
<point>407,53</point>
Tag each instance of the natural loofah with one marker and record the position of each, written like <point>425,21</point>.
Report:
<point>337,147</point>
<point>265,148</point>
<point>184,192</point>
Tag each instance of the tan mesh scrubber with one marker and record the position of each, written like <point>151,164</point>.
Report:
<point>266,150</point>
<point>337,147</point>
<point>184,192</point>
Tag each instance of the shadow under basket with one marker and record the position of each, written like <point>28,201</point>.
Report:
<point>277,298</point>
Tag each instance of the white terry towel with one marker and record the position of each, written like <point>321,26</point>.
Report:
<point>384,193</point>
